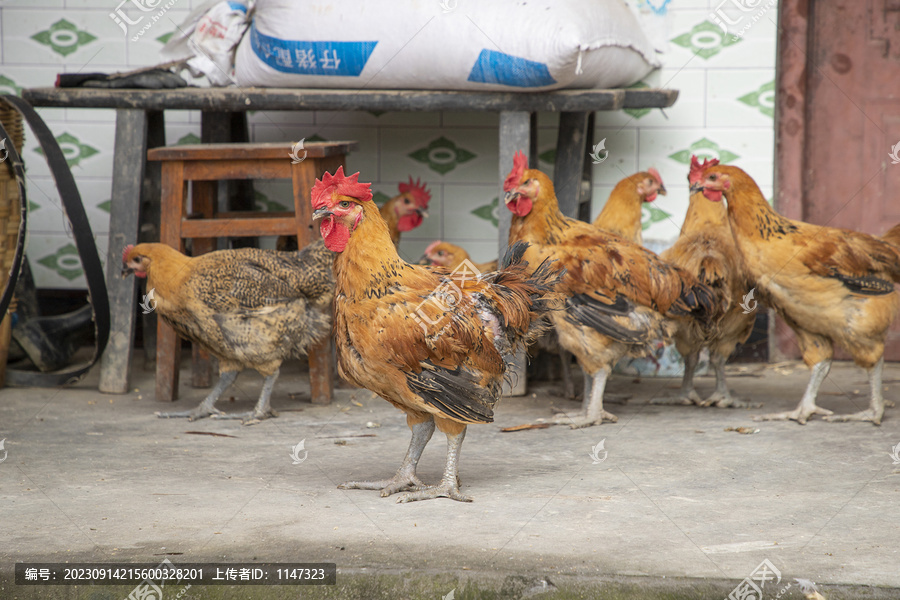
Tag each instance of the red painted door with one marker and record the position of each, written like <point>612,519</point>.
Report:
<point>849,91</point>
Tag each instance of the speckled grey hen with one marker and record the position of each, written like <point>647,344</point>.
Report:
<point>250,308</point>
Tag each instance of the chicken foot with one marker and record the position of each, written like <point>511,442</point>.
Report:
<point>262,410</point>
<point>592,412</point>
<point>807,406</point>
<point>688,394</point>
<point>206,408</point>
<point>876,402</point>
<point>449,485</point>
<point>722,398</point>
<point>405,478</point>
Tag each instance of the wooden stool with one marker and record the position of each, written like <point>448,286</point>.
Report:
<point>205,165</point>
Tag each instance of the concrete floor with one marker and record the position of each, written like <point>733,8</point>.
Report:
<point>95,477</point>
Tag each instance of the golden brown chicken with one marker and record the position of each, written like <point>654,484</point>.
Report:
<point>403,212</point>
<point>706,249</point>
<point>893,236</point>
<point>250,308</point>
<point>406,210</point>
<point>619,297</point>
<point>451,256</point>
<point>831,286</point>
<point>432,342</point>
<point>622,212</point>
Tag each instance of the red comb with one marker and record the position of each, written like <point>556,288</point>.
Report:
<point>125,252</point>
<point>324,190</point>
<point>655,174</point>
<point>432,246</point>
<point>418,191</point>
<point>520,163</point>
<point>697,168</point>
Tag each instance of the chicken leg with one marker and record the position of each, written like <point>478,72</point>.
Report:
<point>722,398</point>
<point>592,412</point>
<point>876,402</point>
<point>807,406</point>
<point>262,410</point>
<point>688,394</point>
<point>206,408</point>
<point>405,478</point>
<point>449,485</point>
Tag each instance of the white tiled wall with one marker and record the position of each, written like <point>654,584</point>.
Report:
<point>724,109</point>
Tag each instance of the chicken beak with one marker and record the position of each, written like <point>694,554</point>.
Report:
<point>696,187</point>
<point>321,213</point>
<point>422,213</point>
<point>662,190</point>
<point>424,260</point>
<point>126,271</point>
<point>510,196</point>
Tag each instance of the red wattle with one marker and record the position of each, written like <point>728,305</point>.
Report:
<point>335,234</point>
<point>409,222</point>
<point>714,195</point>
<point>651,197</point>
<point>521,206</point>
<point>141,274</point>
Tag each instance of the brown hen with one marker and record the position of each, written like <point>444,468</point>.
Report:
<point>831,286</point>
<point>250,308</point>
<point>619,297</point>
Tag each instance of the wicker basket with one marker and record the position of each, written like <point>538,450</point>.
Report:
<point>10,214</point>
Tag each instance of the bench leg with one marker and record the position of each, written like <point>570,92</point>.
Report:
<point>130,156</point>
<point>515,135</point>
<point>149,220</point>
<point>570,157</point>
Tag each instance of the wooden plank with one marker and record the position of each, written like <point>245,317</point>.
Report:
<point>649,98</point>
<point>222,170</point>
<point>245,99</point>
<point>241,227</point>
<point>570,155</point>
<point>128,174</point>
<point>790,140</point>
<point>515,135</point>
<point>261,150</point>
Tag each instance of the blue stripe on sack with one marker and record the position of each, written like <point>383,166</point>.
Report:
<point>237,6</point>
<point>496,67</point>
<point>345,59</point>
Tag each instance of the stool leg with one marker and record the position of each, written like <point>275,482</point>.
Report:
<point>168,348</point>
<point>321,381</point>
<point>303,176</point>
<point>203,204</point>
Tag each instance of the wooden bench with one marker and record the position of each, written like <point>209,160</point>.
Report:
<point>204,165</point>
<point>140,124</point>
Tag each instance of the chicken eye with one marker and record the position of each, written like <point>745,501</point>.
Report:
<point>440,253</point>
<point>712,177</point>
<point>345,204</point>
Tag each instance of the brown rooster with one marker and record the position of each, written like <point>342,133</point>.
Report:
<point>706,249</point>
<point>403,212</point>
<point>619,296</point>
<point>451,256</point>
<point>433,343</point>
<point>250,308</point>
<point>622,212</point>
<point>832,286</point>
